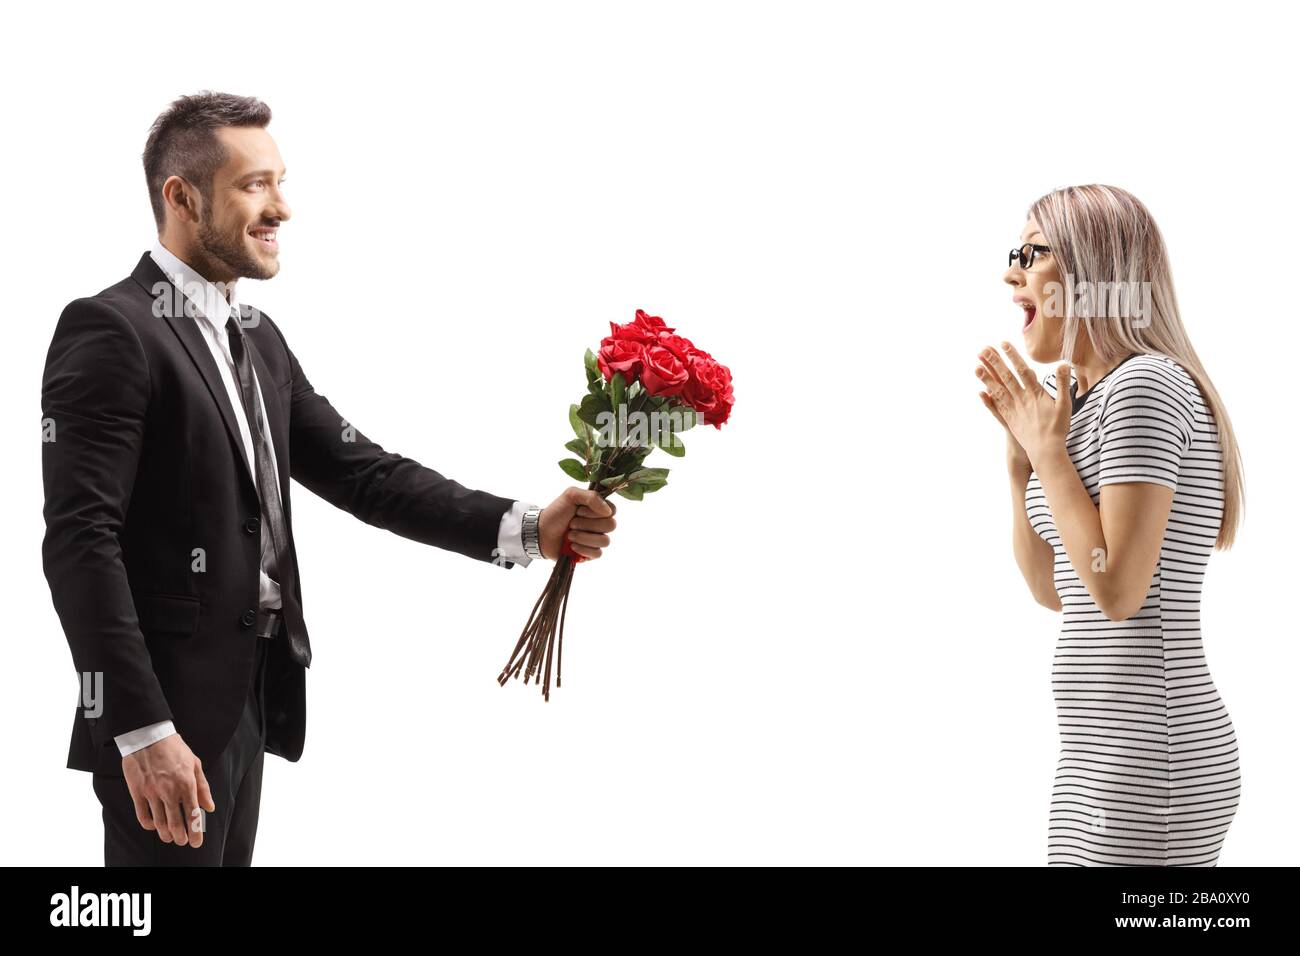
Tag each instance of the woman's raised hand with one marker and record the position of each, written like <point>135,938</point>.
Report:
<point>1034,421</point>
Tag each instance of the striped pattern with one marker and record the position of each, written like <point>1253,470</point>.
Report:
<point>1148,772</point>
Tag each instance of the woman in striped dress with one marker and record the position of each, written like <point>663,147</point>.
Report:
<point>1124,477</point>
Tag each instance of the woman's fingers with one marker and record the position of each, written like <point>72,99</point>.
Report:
<point>993,360</point>
<point>988,403</point>
<point>1027,377</point>
<point>993,383</point>
<point>991,374</point>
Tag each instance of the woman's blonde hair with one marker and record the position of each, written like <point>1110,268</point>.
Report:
<point>1104,237</point>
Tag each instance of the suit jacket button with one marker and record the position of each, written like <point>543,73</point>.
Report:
<point>248,618</point>
<point>253,525</point>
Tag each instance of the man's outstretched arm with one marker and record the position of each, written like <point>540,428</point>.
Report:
<point>332,458</point>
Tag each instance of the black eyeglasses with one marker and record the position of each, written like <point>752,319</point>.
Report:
<point>1025,254</point>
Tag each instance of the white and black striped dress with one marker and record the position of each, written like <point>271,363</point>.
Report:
<point>1148,772</point>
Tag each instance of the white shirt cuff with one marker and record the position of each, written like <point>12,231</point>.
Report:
<point>510,536</point>
<point>129,743</point>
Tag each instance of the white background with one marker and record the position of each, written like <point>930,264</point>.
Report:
<point>813,645</point>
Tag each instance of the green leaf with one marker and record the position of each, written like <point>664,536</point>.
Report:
<point>579,447</point>
<point>612,480</point>
<point>666,423</point>
<point>650,482</point>
<point>579,427</point>
<point>689,419</point>
<point>574,469</point>
<point>591,407</point>
<point>589,362</point>
<point>617,391</point>
<point>637,457</point>
<point>674,446</point>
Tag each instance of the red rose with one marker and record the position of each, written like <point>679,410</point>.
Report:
<point>662,372</point>
<point>708,390</point>
<point>620,355</point>
<point>651,323</point>
<point>719,416</point>
<point>678,345</point>
<point>631,333</point>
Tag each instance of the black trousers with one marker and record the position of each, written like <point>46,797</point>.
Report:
<point>236,784</point>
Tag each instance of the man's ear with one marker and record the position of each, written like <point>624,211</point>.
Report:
<point>181,198</point>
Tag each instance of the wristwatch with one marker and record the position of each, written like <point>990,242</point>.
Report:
<point>532,541</point>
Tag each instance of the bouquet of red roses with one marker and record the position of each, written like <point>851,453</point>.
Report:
<point>645,387</point>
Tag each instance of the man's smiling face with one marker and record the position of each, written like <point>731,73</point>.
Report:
<point>244,206</point>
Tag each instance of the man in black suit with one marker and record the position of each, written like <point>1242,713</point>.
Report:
<point>173,420</point>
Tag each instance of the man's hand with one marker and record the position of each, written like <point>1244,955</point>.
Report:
<point>580,514</point>
<point>167,785</point>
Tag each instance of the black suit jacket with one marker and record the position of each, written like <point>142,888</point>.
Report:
<point>149,550</point>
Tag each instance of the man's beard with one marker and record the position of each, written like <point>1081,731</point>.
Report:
<point>231,253</point>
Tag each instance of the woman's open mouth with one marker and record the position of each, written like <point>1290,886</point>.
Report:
<point>1030,311</point>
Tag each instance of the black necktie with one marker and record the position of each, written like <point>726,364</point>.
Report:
<point>279,562</point>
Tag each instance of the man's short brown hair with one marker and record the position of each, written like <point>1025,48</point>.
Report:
<point>183,141</point>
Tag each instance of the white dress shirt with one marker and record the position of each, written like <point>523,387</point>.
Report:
<point>211,308</point>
